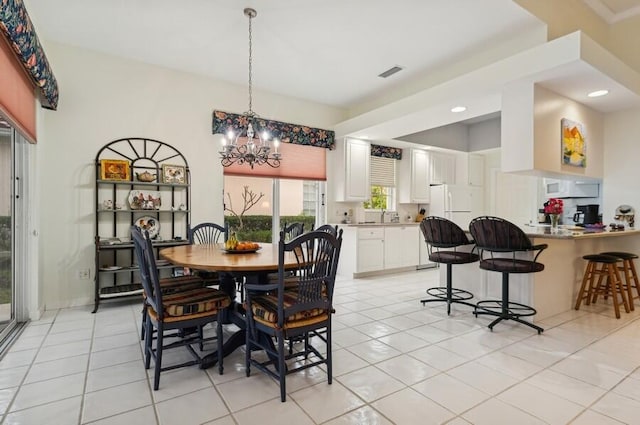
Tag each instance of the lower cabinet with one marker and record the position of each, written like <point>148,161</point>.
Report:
<point>371,250</point>
<point>378,248</point>
<point>401,248</point>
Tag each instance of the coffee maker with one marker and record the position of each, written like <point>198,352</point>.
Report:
<point>586,214</point>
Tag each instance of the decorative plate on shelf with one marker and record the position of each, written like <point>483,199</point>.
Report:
<point>150,224</point>
<point>144,200</point>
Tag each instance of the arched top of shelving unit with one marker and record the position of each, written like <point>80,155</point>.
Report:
<point>137,150</point>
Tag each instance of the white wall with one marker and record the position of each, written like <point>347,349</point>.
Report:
<point>620,185</point>
<point>549,110</point>
<point>103,98</point>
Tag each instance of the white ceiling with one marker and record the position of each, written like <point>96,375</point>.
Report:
<point>615,10</point>
<point>327,51</point>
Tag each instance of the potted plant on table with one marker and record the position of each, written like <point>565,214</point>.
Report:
<point>554,207</point>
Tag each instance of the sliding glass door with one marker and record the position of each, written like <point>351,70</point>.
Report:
<point>13,224</point>
<point>7,285</point>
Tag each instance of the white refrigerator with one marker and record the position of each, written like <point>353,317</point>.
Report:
<point>460,204</point>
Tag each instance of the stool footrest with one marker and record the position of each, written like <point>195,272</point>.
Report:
<point>497,308</point>
<point>456,294</point>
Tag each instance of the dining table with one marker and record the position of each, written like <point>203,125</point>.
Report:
<point>251,266</point>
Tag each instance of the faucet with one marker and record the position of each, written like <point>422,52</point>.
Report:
<point>382,216</point>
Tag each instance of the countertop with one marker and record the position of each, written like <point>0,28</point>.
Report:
<point>405,223</point>
<point>572,232</point>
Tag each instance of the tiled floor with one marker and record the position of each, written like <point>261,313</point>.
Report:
<point>396,362</point>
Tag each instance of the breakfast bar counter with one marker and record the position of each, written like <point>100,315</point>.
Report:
<point>554,290</point>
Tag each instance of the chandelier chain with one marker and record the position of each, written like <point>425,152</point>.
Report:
<point>250,67</point>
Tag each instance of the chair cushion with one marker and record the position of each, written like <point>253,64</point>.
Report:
<point>453,257</point>
<point>195,301</point>
<point>182,283</point>
<point>511,265</point>
<point>265,308</point>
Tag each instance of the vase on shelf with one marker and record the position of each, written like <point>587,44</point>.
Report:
<point>555,218</point>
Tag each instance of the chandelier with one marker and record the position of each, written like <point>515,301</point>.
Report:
<point>256,150</point>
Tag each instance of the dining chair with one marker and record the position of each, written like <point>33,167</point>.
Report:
<point>328,228</point>
<point>273,311</point>
<point>208,233</point>
<point>505,243</point>
<point>293,230</point>
<point>179,311</point>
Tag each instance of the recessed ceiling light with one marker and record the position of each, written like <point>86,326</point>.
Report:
<point>598,93</point>
<point>458,109</point>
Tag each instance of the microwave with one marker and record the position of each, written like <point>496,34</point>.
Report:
<point>556,188</point>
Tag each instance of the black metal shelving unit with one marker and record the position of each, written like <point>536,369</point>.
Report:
<point>116,272</point>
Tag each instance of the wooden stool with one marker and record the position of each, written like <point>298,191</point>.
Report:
<point>590,289</point>
<point>630,275</point>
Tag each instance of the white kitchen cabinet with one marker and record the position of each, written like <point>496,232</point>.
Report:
<point>377,248</point>
<point>401,247</point>
<point>413,178</point>
<point>371,250</point>
<point>442,168</point>
<point>352,171</point>
<point>476,170</point>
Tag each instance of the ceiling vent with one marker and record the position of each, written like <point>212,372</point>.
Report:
<point>389,72</point>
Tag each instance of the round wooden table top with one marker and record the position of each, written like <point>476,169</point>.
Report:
<point>214,258</point>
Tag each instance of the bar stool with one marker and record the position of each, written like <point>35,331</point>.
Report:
<point>498,237</point>
<point>443,237</point>
<point>602,266</point>
<point>630,274</point>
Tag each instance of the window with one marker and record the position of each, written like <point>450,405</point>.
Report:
<point>382,183</point>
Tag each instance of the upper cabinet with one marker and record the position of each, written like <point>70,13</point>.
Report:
<point>353,171</point>
<point>443,168</point>
<point>476,170</point>
<point>413,178</point>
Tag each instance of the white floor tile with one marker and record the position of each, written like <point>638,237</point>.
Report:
<point>409,407</point>
<point>324,402</point>
<point>192,409</point>
<point>589,417</point>
<point>370,383</point>
<point>541,404</point>
<point>438,358</point>
<point>144,415</point>
<point>623,409</point>
<point>496,412</point>
<point>373,351</point>
<point>12,377</point>
<point>567,387</point>
<point>122,399</point>
<point>63,412</point>
<point>112,376</point>
<point>584,369</point>
<point>57,368</point>
<point>273,412</point>
<point>407,369</point>
<point>451,393</point>
<point>255,389</point>
<point>363,415</point>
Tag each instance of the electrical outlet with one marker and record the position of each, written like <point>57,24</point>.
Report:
<point>84,274</point>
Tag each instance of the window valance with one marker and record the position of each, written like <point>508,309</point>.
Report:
<point>17,28</point>
<point>285,132</point>
<point>386,152</point>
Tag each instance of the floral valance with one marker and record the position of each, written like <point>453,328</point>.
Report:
<point>386,152</point>
<point>17,28</point>
<point>285,132</point>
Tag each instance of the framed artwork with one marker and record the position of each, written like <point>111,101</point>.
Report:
<point>115,169</point>
<point>574,147</point>
<point>173,174</point>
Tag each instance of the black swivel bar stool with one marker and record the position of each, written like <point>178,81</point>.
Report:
<point>443,237</point>
<point>495,235</point>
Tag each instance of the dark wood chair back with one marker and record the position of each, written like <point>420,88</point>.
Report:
<point>145,257</point>
<point>208,233</point>
<point>293,230</point>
